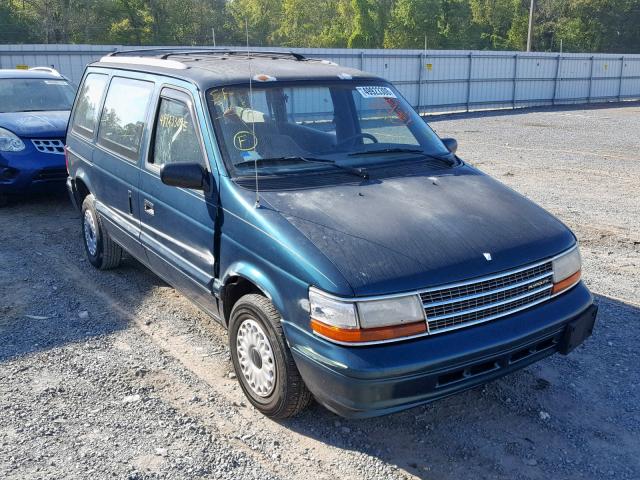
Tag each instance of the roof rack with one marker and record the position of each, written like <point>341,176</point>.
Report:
<point>165,53</point>
<point>145,60</point>
<point>50,70</point>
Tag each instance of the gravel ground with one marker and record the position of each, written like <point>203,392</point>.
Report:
<point>115,375</point>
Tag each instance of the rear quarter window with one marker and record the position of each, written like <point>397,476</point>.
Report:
<point>85,116</point>
<point>124,116</point>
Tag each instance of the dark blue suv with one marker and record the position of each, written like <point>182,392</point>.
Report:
<point>351,254</point>
<point>34,111</point>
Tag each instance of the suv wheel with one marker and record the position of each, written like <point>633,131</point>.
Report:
<point>262,360</point>
<point>102,252</point>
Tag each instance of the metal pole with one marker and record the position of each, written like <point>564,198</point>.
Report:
<point>555,83</point>
<point>530,33</point>
<point>362,60</point>
<point>469,80</point>
<point>515,81</point>
<point>590,80</point>
<point>620,78</point>
<point>421,59</point>
<point>213,36</point>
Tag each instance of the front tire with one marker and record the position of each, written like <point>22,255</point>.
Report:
<point>102,252</point>
<point>262,360</point>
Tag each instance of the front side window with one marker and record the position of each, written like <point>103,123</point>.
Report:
<point>176,139</point>
<point>35,95</point>
<point>85,116</point>
<point>284,128</point>
<point>123,116</point>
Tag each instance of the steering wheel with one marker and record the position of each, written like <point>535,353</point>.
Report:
<point>355,137</point>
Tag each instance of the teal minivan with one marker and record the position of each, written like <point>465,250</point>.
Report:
<point>352,255</point>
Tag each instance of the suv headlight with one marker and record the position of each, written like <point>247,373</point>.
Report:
<point>347,321</point>
<point>9,141</point>
<point>566,270</point>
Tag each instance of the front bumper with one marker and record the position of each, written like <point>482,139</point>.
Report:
<point>381,379</point>
<point>31,171</point>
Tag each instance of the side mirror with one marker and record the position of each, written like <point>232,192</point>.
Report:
<point>183,174</point>
<point>451,144</point>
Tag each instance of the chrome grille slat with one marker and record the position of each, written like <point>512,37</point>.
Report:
<point>468,303</point>
<point>497,290</point>
<point>509,278</point>
<point>479,309</point>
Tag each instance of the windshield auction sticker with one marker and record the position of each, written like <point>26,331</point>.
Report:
<point>374,91</point>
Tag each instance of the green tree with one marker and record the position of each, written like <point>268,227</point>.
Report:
<point>16,27</point>
<point>504,22</point>
<point>262,16</point>
<point>582,25</point>
<point>363,34</point>
<point>412,21</point>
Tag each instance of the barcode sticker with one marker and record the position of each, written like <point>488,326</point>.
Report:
<point>374,91</point>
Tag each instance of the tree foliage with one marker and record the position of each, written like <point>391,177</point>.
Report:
<point>581,25</point>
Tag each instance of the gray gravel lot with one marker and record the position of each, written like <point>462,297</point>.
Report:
<point>115,375</point>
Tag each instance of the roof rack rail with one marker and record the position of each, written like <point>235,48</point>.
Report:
<point>165,53</point>
<point>144,60</point>
<point>50,70</point>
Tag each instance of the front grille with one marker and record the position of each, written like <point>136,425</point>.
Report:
<point>51,174</point>
<point>473,302</point>
<point>54,146</point>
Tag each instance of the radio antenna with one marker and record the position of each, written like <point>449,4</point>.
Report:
<point>253,119</point>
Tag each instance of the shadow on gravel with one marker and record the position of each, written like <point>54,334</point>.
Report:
<point>51,296</point>
<point>432,118</point>
<point>553,419</point>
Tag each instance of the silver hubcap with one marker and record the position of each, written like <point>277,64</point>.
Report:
<point>256,358</point>
<point>90,233</point>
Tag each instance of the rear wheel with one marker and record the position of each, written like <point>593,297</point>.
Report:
<point>262,360</point>
<point>102,252</point>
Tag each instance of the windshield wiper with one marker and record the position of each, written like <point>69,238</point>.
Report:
<point>449,161</point>
<point>360,172</point>
<point>386,150</point>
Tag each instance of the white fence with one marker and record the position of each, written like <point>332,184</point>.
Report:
<point>432,80</point>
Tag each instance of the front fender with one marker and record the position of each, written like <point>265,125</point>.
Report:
<point>259,278</point>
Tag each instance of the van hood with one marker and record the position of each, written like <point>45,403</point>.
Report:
<point>36,124</point>
<point>401,234</point>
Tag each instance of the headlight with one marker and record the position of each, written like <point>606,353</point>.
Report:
<point>566,270</point>
<point>366,321</point>
<point>9,141</point>
<point>332,312</point>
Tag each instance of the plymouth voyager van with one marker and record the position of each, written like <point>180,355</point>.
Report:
<point>353,257</point>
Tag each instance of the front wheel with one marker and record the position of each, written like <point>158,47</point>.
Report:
<point>262,360</point>
<point>102,252</point>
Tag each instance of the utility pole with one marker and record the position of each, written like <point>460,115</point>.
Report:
<point>530,34</point>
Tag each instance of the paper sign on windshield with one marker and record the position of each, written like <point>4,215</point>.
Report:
<point>374,91</point>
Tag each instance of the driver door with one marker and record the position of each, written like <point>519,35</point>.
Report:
<point>177,224</point>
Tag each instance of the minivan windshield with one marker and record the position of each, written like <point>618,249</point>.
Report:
<point>35,95</point>
<point>296,127</point>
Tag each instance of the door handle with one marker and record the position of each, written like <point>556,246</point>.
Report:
<point>148,207</point>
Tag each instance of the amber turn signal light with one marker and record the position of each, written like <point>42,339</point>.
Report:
<point>356,335</point>
<point>570,281</point>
